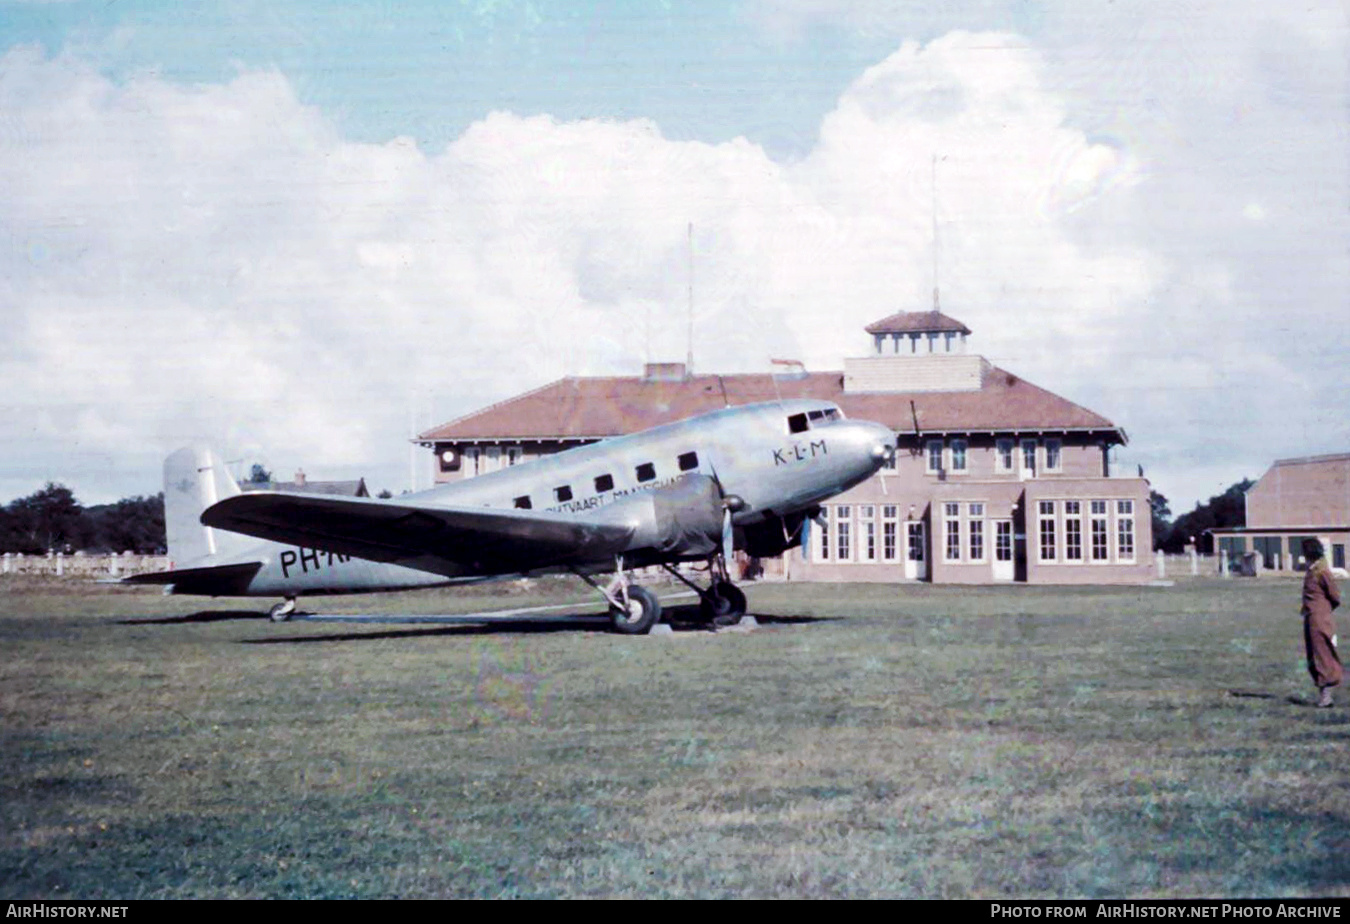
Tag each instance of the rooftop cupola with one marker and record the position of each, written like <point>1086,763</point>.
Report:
<point>915,351</point>
<point>915,333</point>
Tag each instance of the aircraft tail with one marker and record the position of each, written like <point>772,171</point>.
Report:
<point>194,479</point>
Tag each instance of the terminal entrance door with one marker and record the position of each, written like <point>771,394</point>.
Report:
<point>916,551</point>
<point>1003,550</point>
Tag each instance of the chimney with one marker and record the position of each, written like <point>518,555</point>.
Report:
<point>299,477</point>
<point>664,372</point>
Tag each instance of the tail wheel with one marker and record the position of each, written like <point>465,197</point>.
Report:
<point>724,603</point>
<point>643,612</point>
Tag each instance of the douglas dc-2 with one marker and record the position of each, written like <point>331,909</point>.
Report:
<point>741,477</point>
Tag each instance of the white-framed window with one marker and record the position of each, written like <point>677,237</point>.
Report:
<point>1028,457</point>
<point>867,532</point>
<point>1054,461</point>
<point>1073,529</point>
<point>514,455</point>
<point>959,456</point>
<point>1125,530</point>
<point>952,529</point>
<point>888,465</point>
<point>1004,460</point>
<point>471,459</point>
<point>1046,530</point>
<point>933,454</point>
<point>890,532</point>
<point>843,535</point>
<point>823,527</point>
<point>975,528</point>
<point>1101,533</point>
<point>492,459</point>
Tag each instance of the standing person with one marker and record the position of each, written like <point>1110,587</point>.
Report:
<point>1320,597</point>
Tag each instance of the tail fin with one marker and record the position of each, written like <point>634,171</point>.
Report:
<point>194,479</point>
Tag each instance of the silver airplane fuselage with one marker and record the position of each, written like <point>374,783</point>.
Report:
<point>770,460</point>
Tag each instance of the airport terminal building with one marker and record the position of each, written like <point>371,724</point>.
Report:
<point>994,480</point>
<point>1296,499</point>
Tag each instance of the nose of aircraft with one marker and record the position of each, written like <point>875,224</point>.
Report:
<point>881,443</point>
<point>875,443</point>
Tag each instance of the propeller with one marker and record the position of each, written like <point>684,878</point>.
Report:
<point>730,504</point>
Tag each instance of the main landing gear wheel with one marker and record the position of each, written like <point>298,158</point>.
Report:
<point>722,604</point>
<point>282,611</point>
<point>642,612</point>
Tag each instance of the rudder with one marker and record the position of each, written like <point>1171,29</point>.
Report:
<point>194,479</point>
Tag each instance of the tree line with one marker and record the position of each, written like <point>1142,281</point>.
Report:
<point>51,519</point>
<point>1221,510</point>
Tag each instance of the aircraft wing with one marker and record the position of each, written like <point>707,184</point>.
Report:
<point>443,540</point>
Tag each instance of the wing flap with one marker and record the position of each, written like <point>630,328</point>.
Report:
<point>443,540</point>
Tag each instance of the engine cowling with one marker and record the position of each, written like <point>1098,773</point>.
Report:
<point>680,519</point>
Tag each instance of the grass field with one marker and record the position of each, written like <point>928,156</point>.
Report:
<point>867,741</point>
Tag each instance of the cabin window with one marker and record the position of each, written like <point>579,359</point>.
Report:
<point>646,472</point>
<point>604,483</point>
<point>523,502</point>
<point>563,493</point>
<point>797,423</point>
<point>688,461</point>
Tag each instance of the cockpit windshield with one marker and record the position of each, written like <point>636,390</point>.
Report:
<point>800,423</point>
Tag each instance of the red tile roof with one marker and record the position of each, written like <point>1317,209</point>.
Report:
<point>593,408</point>
<point>909,322</point>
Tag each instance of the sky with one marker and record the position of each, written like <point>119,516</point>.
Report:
<point>304,231</point>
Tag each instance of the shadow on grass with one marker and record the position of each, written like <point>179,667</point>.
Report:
<point>203,616</point>
<point>468,628</point>
<point>781,620</point>
<point>682,619</point>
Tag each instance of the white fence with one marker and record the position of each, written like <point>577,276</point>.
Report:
<point>1186,564</point>
<point>81,565</point>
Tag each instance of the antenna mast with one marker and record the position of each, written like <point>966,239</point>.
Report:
<point>689,354</point>
<point>935,235</point>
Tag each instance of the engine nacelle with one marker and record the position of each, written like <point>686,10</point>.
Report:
<point>683,518</point>
<point>773,535</point>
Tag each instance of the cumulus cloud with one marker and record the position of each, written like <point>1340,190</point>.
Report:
<point>218,261</point>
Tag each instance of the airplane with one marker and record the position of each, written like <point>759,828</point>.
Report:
<point>739,477</point>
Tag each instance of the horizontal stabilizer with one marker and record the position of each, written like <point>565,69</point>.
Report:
<point>211,581</point>
<point>442,540</point>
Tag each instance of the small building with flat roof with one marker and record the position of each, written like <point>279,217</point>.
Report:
<point>1305,497</point>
